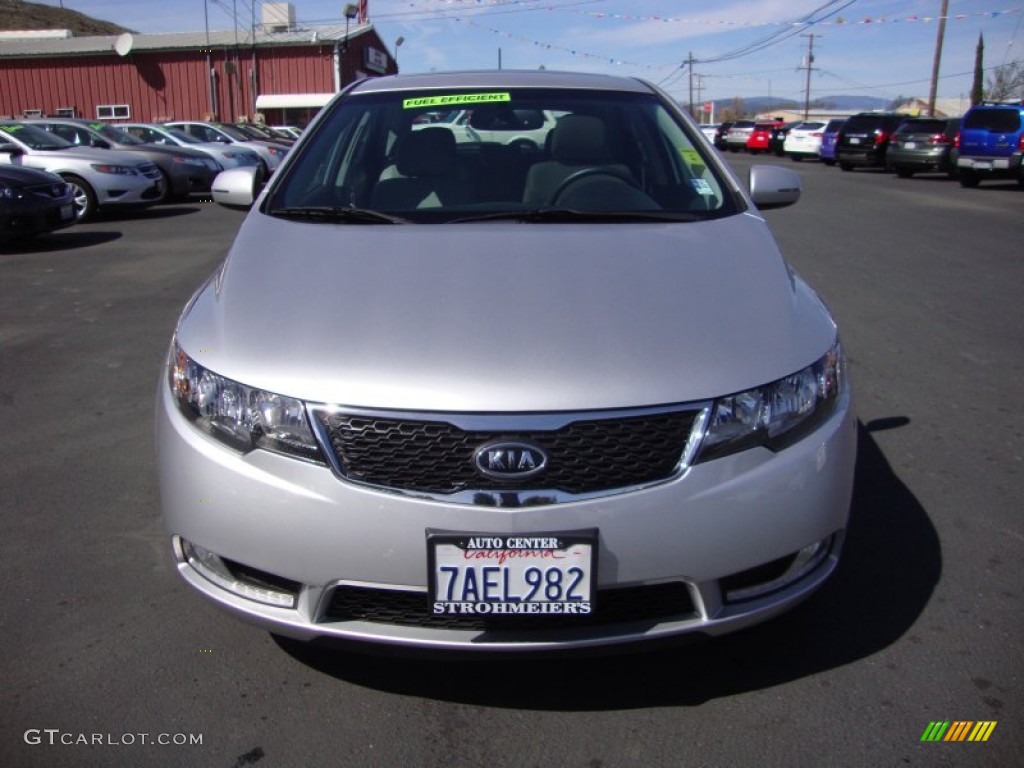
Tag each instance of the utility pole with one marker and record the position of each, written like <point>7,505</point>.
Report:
<point>938,58</point>
<point>700,88</point>
<point>689,67</point>
<point>810,66</point>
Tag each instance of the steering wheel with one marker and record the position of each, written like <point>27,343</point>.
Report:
<point>614,173</point>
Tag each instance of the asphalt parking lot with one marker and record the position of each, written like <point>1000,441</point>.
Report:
<point>921,623</point>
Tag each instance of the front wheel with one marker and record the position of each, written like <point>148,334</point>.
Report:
<point>846,166</point>
<point>82,197</point>
<point>904,173</point>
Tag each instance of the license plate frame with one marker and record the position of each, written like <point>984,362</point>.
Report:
<point>509,575</point>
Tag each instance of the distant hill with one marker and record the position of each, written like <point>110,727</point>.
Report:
<point>16,15</point>
<point>762,104</point>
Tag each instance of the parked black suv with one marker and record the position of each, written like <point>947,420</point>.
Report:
<point>991,143</point>
<point>863,141</point>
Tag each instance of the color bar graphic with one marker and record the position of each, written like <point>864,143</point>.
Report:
<point>958,730</point>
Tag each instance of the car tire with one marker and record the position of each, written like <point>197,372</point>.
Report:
<point>83,198</point>
<point>828,161</point>
<point>846,166</point>
<point>904,173</point>
<point>795,157</point>
<point>168,195</point>
<point>969,179</point>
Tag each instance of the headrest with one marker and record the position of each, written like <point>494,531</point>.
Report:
<point>426,152</point>
<point>580,139</point>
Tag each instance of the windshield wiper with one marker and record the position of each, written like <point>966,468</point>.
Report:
<point>568,214</point>
<point>337,213</point>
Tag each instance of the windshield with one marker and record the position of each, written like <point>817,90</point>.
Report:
<point>115,134</point>
<point>521,151</point>
<point>181,136</point>
<point>34,138</point>
<point>233,132</point>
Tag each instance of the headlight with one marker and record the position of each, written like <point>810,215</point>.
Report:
<point>122,170</point>
<point>241,417</point>
<point>8,192</point>
<point>777,414</point>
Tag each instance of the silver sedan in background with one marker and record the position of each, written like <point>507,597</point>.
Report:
<point>465,396</point>
<point>226,155</point>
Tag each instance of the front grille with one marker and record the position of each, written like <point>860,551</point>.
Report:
<point>438,457</point>
<point>646,603</point>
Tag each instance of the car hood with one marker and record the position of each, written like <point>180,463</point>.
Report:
<point>20,175</point>
<point>88,155</point>
<point>158,152</point>
<point>505,316</point>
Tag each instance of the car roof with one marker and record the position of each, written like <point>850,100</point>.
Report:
<point>504,78</point>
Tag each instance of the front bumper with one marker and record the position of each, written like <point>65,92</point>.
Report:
<point>25,218</point>
<point>294,527</point>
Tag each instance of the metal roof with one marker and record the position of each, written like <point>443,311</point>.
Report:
<point>219,39</point>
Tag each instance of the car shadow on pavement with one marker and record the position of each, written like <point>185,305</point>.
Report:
<point>60,241</point>
<point>891,564</point>
<point>162,211</point>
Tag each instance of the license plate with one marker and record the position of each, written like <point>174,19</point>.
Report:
<point>854,141</point>
<point>518,574</point>
<point>67,212</point>
<point>1001,162</point>
<point>910,145</point>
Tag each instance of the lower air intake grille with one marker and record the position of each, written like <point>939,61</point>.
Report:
<point>655,602</point>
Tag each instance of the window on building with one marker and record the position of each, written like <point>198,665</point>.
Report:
<point>64,112</point>
<point>32,112</point>
<point>112,112</point>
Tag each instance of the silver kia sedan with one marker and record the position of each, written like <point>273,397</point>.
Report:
<point>448,395</point>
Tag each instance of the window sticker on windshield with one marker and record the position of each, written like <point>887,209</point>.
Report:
<point>458,98</point>
<point>691,156</point>
<point>702,186</point>
<point>97,126</point>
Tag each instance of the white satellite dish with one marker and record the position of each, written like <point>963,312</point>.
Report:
<point>123,44</point>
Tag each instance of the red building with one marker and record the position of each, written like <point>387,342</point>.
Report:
<point>275,73</point>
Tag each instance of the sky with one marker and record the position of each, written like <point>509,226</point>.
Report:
<point>741,48</point>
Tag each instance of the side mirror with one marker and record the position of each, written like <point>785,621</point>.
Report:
<point>100,143</point>
<point>773,187</point>
<point>237,187</point>
<point>12,150</point>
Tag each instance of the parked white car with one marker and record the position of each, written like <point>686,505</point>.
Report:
<point>99,177</point>
<point>804,140</point>
<point>523,128</point>
<point>228,156</point>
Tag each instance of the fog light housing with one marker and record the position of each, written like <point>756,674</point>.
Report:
<point>216,570</point>
<point>773,576</point>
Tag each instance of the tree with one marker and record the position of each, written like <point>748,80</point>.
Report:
<point>977,88</point>
<point>1006,83</point>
